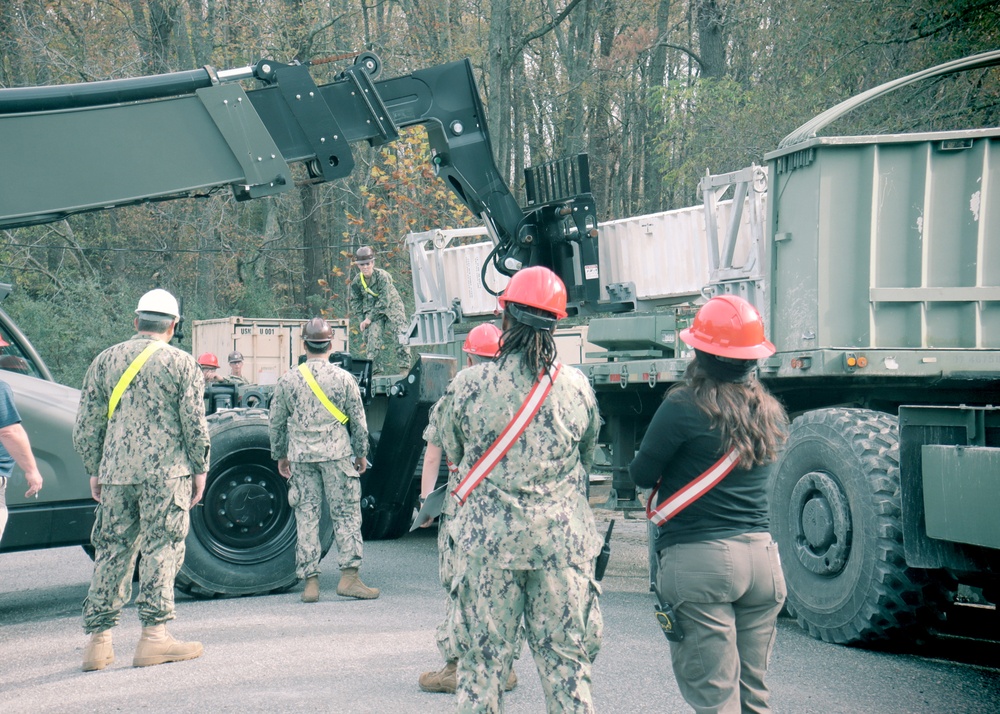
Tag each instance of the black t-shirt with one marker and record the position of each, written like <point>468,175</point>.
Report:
<point>678,447</point>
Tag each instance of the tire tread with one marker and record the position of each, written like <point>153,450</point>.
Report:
<point>898,594</point>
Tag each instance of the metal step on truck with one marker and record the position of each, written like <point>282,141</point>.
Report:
<point>875,261</point>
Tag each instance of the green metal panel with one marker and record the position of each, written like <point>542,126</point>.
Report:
<point>117,153</point>
<point>653,334</point>
<point>794,320</point>
<point>897,255</point>
<point>889,242</point>
<point>989,257</point>
<point>259,157</point>
<point>844,253</point>
<point>951,242</point>
<point>961,484</point>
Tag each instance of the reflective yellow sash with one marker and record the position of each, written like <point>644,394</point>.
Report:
<point>133,369</point>
<point>365,286</point>
<point>314,385</point>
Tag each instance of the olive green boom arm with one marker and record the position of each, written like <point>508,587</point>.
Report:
<point>70,149</point>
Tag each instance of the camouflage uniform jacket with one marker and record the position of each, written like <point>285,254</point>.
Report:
<point>385,302</point>
<point>531,511</point>
<point>304,430</point>
<point>158,429</point>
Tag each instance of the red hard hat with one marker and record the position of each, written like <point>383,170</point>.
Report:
<point>536,287</point>
<point>728,326</point>
<point>207,359</point>
<point>483,340</point>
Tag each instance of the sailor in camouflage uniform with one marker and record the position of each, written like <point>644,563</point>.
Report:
<point>145,442</point>
<point>236,369</point>
<point>525,538</point>
<point>379,310</point>
<point>313,438</point>
<point>481,344</point>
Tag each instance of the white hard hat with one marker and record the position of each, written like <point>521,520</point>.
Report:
<point>160,302</point>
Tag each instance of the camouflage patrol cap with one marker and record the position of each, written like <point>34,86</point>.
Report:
<point>364,255</point>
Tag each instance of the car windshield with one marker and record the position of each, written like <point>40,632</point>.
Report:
<point>13,358</point>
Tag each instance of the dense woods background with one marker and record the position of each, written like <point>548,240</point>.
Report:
<point>657,91</point>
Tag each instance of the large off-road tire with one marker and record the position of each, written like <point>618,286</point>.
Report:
<point>242,537</point>
<point>835,514</point>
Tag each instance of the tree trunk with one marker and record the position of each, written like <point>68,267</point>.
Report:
<point>313,269</point>
<point>655,80</point>
<point>498,84</point>
<point>711,39</point>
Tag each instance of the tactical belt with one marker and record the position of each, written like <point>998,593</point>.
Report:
<point>314,385</point>
<point>509,435</point>
<point>133,369</point>
<point>693,491</point>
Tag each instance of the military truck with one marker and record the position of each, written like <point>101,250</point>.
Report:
<point>875,261</point>
<point>186,134</point>
<point>876,264</point>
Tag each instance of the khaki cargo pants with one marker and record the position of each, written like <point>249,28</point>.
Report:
<point>726,595</point>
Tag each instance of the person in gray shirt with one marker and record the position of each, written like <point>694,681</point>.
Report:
<point>14,448</point>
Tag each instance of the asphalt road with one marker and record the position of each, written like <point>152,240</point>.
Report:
<point>276,654</point>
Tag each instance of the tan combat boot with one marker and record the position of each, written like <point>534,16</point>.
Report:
<point>511,681</point>
<point>157,646</point>
<point>351,586</point>
<point>445,680</point>
<point>99,652</point>
<point>311,592</point>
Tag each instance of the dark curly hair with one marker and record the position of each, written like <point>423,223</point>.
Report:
<point>751,420</point>
<point>536,347</point>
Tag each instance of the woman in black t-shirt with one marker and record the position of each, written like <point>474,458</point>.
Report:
<point>707,454</point>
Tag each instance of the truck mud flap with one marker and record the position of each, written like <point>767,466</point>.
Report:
<point>390,486</point>
<point>949,460</point>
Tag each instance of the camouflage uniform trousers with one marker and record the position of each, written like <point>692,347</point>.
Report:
<point>384,330</point>
<point>562,619</point>
<point>446,569</point>
<point>341,484</point>
<point>445,635</point>
<point>152,517</point>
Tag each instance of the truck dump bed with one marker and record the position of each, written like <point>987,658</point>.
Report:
<point>887,242</point>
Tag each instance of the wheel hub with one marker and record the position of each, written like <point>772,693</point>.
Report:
<point>246,517</point>
<point>821,523</point>
<point>247,505</point>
